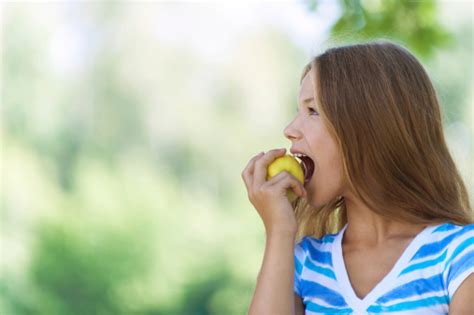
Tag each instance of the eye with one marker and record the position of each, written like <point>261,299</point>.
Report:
<point>312,111</point>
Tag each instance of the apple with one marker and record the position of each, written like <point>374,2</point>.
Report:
<point>291,165</point>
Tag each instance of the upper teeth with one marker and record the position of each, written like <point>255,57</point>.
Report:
<point>299,155</point>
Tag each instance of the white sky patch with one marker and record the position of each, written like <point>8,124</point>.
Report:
<point>211,29</point>
<point>73,43</point>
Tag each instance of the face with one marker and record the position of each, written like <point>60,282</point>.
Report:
<point>309,136</point>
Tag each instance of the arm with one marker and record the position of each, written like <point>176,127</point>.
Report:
<point>275,282</point>
<point>274,291</point>
<point>299,305</point>
<point>462,302</point>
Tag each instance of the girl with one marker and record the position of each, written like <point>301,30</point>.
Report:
<point>383,223</point>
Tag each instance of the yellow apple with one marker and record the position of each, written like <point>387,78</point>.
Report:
<point>291,165</point>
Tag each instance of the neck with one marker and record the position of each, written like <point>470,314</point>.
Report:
<point>367,228</point>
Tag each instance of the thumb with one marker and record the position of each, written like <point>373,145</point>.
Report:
<point>298,188</point>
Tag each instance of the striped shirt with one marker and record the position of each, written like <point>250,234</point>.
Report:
<point>422,281</point>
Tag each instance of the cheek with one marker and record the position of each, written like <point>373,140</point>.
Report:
<point>329,177</point>
<point>334,166</point>
<point>327,186</point>
<point>328,173</point>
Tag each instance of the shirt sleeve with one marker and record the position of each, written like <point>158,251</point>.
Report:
<point>300,257</point>
<point>460,263</point>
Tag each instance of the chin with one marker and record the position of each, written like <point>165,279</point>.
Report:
<point>313,202</point>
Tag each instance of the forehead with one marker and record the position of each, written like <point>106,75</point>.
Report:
<point>307,87</point>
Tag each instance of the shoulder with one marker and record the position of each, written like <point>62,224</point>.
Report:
<point>462,299</point>
<point>448,236</point>
<point>455,239</point>
<point>317,249</point>
<point>450,228</point>
<point>457,242</point>
<point>309,243</point>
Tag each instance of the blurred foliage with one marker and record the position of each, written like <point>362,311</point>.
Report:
<point>122,150</point>
<point>95,267</point>
<point>413,23</point>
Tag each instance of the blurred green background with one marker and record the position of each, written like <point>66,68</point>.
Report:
<point>125,127</point>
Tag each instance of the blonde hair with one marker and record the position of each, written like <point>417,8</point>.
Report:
<point>380,106</point>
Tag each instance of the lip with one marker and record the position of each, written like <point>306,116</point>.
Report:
<point>294,151</point>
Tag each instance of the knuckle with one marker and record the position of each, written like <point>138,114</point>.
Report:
<point>280,175</point>
<point>252,160</point>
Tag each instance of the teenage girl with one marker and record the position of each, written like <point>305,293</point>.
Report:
<point>383,222</point>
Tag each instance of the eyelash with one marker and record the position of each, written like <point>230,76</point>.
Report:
<point>312,110</point>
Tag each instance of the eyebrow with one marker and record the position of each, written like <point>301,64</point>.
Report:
<point>308,99</point>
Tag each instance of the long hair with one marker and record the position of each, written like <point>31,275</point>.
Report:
<point>380,107</point>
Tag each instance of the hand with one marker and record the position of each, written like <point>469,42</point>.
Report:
<point>270,197</point>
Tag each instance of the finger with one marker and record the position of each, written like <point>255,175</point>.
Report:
<point>247,173</point>
<point>254,160</point>
<point>251,164</point>
<point>285,180</point>
<point>276,178</point>
<point>260,172</point>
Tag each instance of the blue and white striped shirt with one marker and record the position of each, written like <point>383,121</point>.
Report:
<point>422,281</point>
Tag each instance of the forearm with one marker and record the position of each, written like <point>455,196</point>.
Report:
<point>274,290</point>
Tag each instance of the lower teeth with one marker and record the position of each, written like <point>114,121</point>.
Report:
<point>305,171</point>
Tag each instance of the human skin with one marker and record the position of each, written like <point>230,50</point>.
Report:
<point>274,290</point>
<point>309,135</point>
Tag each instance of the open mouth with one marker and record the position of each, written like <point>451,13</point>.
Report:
<point>308,166</point>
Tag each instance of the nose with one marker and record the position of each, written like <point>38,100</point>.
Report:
<point>291,132</point>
